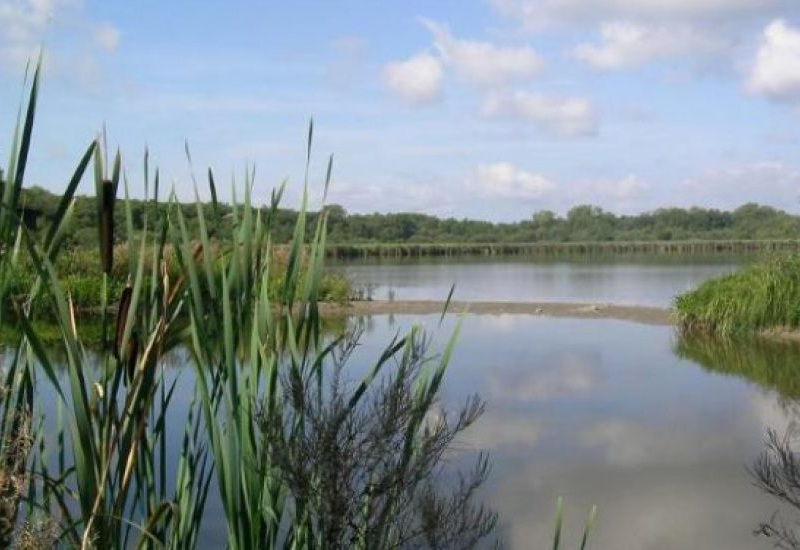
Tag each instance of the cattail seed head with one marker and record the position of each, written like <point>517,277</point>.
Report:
<point>107,226</point>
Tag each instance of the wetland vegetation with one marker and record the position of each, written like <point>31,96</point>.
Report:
<point>763,296</point>
<point>292,446</point>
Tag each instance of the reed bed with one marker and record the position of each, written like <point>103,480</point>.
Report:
<point>268,385</point>
<point>548,249</point>
<point>761,296</point>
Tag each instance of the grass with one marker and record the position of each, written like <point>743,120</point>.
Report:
<point>80,274</point>
<point>760,296</point>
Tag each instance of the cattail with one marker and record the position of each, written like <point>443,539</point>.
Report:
<point>122,317</point>
<point>133,354</point>
<point>107,226</point>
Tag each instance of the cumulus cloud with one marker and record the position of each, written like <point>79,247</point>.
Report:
<point>483,63</point>
<point>776,71</point>
<point>766,182</point>
<point>625,44</point>
<point>559,116</point>
<point>507,181</point>
<point>624,190</point>
<point>417,80</point>
<point>405,196</point>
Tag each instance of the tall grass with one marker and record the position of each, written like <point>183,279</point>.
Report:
<point>761,296</point>
<point>99,473</point>
<point>558,249</point>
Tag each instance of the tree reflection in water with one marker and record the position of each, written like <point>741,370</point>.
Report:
<point>772,365</point>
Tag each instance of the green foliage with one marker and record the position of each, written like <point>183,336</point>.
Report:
<point>254,341</point>
<point>101,475</point>
<point>582,223</point>
<point>760,296</point>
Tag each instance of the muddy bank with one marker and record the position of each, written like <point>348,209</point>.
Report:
<point>639,314</point>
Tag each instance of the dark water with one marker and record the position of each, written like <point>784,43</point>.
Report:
<point>652,281</point>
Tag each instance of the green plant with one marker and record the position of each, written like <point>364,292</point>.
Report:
<point>760,296</point>
<point>102,473</point>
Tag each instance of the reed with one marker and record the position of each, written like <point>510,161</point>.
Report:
<point>99,474</point>
<point>761,296</point>
<point>343,251</point>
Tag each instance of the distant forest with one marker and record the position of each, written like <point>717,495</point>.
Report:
<point>581,224</point>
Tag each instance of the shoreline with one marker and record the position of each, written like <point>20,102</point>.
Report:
<point>578,310</point>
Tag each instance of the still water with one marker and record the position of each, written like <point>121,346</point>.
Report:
<point>656,432</point>
<point>651,281</point>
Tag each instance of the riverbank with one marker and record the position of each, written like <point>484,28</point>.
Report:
<point>639,314</point>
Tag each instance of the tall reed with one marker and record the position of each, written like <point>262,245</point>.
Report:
<point>100,472</point>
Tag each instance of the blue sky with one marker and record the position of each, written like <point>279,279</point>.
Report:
<point>482,108</point>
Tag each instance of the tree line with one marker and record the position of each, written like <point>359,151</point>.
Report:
<point>581,223</point>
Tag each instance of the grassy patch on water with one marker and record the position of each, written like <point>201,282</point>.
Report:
<point>761,296</point>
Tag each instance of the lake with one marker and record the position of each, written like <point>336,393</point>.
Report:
<point>651,281</point>
<point>655,430</point>
<point>607,412</point>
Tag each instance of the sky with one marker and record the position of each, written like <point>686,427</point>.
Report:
<point>489,109</point>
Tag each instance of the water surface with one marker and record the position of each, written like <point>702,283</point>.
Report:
<point>605,412</point>
<point>651,281</point>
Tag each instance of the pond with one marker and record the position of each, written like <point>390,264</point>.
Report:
<point>656,430</point>
<point>651,281</point>
<point>616,414</point>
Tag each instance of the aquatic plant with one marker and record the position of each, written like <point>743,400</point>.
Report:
<point>269,390</point>
<point>101,474</point>
<point>760,296</point>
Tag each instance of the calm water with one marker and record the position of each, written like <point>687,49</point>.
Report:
<point>654,430</point>
<point>605,412</point>
<point>642,281</point>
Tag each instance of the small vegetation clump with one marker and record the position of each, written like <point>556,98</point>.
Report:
<point>762,296</point>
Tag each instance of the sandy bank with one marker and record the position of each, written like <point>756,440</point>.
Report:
<point>639,314</point>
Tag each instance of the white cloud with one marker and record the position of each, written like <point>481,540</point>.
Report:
<point>107,37</point>
<point>626,44</point>
<point>776,71</point>
<point>504,180</point>
<point>24,24</point>
<point>536,13</point>
<point>483,63</point>
<point>27,24</point>
<point>767,182</point>
<point>562,117</point>
<point>405,196</point>
<point>417,80</point>
<point>625,189</point>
